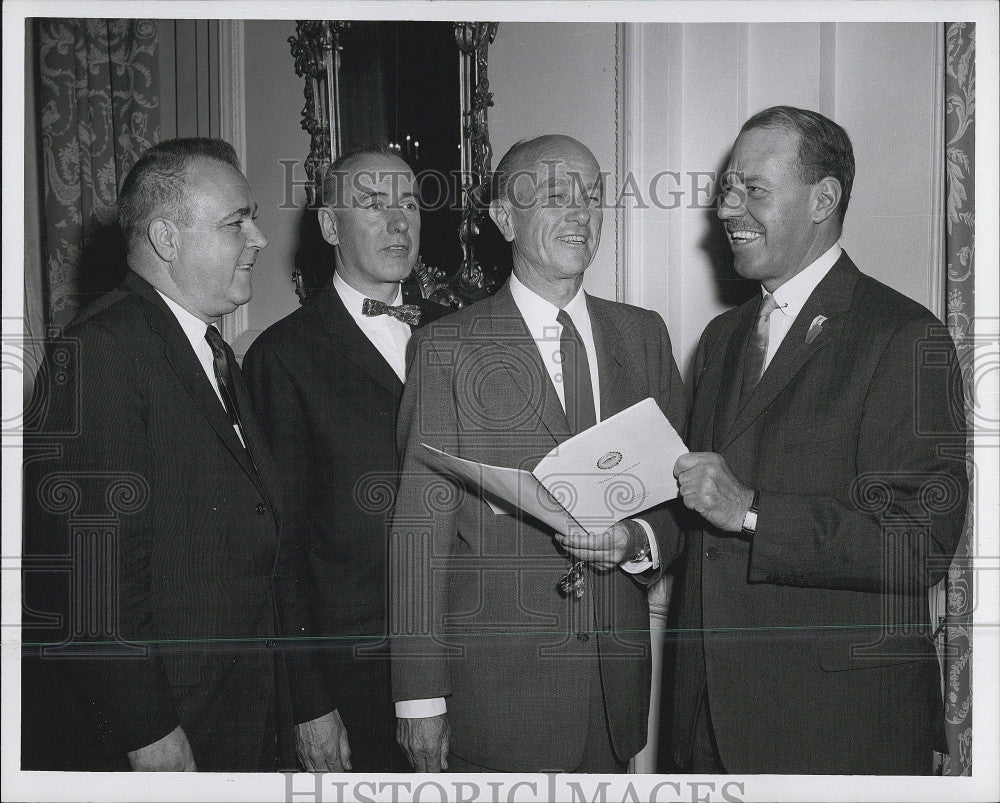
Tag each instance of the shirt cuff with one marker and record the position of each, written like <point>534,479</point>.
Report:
<point>419,709</point>
<point>652,562</point>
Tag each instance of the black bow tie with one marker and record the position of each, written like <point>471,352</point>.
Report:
<point>407,313</point>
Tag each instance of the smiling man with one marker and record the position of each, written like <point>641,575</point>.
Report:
<point>828,469</point>
<point>149,431</point>
<point>326,382</point>
<point>498,665</point>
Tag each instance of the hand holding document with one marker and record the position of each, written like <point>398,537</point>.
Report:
<point>612,471</point>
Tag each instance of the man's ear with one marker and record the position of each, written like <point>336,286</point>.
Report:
<point>826,199</point>
<point>500,212</point>
<point>164,238</point>
<point>328,225</point>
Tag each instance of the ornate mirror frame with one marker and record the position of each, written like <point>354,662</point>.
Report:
<point>316,48</point>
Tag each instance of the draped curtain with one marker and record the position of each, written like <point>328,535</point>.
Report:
<point>960,141</point>
<point>98,110</point>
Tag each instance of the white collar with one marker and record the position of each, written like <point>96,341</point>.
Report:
<point>794,293</point>
<point>354,300</point>
<point>539,314</point>
<point>193,326</point>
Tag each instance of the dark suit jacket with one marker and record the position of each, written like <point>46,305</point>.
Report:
<point>328,403</point>
<point>816,649</point>
<point>475,613</point>
<point>148,505</point>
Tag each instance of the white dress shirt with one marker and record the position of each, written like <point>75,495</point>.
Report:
<point>540,317</point>
<point>195,329</point>
<point>389,335</point>
<point>792,296</point>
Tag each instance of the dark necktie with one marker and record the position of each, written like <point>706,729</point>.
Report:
<point>578,390</point>
<point>753,366</point>
<point>407,313</point>
<point>223,374</point>
<point>578,394</point>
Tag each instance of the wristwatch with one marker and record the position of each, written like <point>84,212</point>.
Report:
<point>750,519</point>
<point>645,551</point>
<point>644,554</point>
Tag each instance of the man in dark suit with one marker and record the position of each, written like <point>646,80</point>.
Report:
<point>326,382</point>
<point>152,517</point>
<point>828,469</point>
<point>494,669</point>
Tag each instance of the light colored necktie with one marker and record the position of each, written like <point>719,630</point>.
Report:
<point>753,366</point>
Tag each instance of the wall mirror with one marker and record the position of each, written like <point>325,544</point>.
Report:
<point>420,89</point>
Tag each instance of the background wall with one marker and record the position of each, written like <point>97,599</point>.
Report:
<point>558,78</point>
<point>661,97</point>
<point>274,103</point>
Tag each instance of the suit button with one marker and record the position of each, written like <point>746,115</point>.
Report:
<point>261,508</point>
<point>711,553</point>
<point>584,637</point>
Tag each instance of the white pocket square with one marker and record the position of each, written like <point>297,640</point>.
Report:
<point>815,328</point>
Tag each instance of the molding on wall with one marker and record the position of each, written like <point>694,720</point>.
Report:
<point>939,263</point>
<point>232,127</point>
<point>629,86</point>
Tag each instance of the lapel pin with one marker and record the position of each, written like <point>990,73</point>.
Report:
<point>815,328</point>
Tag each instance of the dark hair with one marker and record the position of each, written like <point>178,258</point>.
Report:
<point>338,168</point>
<point>155,185</point>
<point>824,147</point>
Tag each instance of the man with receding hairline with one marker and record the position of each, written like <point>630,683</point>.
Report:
<point>828,474</point>
<point>326,382</point>
<point>516,648</point>
<point>174,531</point>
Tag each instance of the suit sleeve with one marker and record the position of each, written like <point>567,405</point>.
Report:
<point>95,426</point>
<point>424,525</point>
<point>666,519</point>
<point>282,416</point>
<point>907,506</point>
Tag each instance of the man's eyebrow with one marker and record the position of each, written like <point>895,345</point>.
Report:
<point>239,214</point>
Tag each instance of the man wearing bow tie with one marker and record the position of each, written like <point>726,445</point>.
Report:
<point>494,669</point>
<point>828,469</point>
<point>326,382</point>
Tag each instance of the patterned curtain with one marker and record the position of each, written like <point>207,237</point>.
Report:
<point>98,111</point>
<point>960,142</point>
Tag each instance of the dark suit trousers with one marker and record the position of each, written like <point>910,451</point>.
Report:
<point>598,755</point>
<point>906,756</point>
<point>361,688</point>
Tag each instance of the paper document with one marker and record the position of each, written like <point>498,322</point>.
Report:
<point>612,471</point>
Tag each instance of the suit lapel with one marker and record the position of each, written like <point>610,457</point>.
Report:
<point>730,378</point>
<point>347,338</point>
<point>182,359</point>
<point>617,383</point>
<point>517,353</point>
<point>831,298</point>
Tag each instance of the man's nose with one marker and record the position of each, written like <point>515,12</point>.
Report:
<point>579,212</point>
<point>397,220</point>
<point>256,239</point>
<point>731,203</point>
